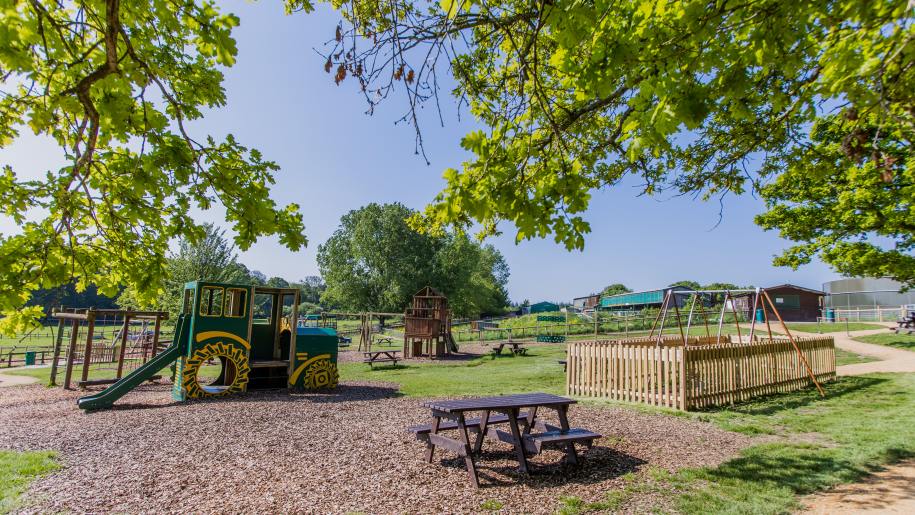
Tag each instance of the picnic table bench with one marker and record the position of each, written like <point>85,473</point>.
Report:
<point>384,339</point>
<point>516,348</point>
<point>507,409</point>
<point>906,324</point>
<point>381,356</point>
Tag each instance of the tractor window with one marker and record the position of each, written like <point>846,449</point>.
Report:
<point>236,302</point>
<point>263,308</point>
<point>211,301</point>
<point>188,306</point>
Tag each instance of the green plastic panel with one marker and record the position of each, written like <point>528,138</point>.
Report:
<point>315,362</point>
<point>626,299</point>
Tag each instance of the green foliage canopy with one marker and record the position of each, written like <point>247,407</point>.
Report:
<point>689,284</point>
<point>689,96</point>
<point>849,197</point>
<point>115,84</point>
<point>375,262</point>
<point>211,258</point>
<point>616,289</point>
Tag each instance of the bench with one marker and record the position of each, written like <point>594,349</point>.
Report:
<point>516,349</point>
<point>535,443</point>
<point>382,356</point>
<point>472,424</point>
<point>551,437</point>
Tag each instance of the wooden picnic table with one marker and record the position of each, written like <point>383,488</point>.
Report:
<point>516,348</point>
<point>508,410</point>
<point>381,356</point>
<point>384,339</point>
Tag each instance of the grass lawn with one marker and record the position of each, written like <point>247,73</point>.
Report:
<point>822,327</point>
<point>17,470</point>
<point>537,371</point>
<point>900,341</point>
<point>106,371</point>
<point>843,357</point>
<point>862,423</point>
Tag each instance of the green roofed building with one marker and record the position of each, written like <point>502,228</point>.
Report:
<point>541,307</point>
<point>642,299</point>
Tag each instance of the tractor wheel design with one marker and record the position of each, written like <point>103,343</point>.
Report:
<point>235,370</point>
<point>321,374</point>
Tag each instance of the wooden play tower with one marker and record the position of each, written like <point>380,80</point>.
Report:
<point>427,325</point>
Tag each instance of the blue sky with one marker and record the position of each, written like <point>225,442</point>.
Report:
<point>335,158</point>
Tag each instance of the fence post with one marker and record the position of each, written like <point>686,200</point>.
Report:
<point>87,356</point>
<point>125,331</point>
<point>71,353</point>
<point>57,342</point>
<point>683,404</point>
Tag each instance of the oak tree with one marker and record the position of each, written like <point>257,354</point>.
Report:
<point>697,97</point>
<point>115,85</point>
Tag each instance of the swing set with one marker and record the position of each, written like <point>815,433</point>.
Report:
<point>677,366</point>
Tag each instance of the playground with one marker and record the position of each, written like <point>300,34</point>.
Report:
<point>340,443</point>
<point>342,451</point>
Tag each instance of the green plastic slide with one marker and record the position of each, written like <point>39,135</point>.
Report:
<point>106,397</point>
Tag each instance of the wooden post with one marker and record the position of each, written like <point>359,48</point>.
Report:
<point>57,343</point>
<point>155,343</point>
<point>294,322</point>
<point>74,334</point>
<point>87,357</point>
<point>679,324</point>
<point>124,333</point>
<point>794,343</point>
<point>655,323</point>
<point>736,320</point>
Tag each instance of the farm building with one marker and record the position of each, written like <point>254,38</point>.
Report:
<point>586,302</point>
<point>794,303</point>
<point>866,292</point>
<point>540,307</point>
<point>642,299</point>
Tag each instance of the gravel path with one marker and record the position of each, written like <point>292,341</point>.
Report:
<point>890,358</point>
<point>15,380</point>
<point>891,490</point>
<point>319,453</point>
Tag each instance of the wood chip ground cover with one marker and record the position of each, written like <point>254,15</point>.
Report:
<point>338,452</point>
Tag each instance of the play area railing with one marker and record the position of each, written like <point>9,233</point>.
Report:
<point>701,374</point>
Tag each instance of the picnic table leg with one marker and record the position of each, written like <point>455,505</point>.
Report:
<point>519,443</point>
<point>531,420</point>
<point>431,446</point>
<point>468,455</point>
<point>484,423</point>
<point>564,425</point>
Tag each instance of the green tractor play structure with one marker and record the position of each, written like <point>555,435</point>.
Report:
<point>251,331</point>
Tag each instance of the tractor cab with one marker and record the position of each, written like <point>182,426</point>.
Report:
<point>250,335</point>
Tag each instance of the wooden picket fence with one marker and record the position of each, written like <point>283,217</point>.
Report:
<point>702,374</point>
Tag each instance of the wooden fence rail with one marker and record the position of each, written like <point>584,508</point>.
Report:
<point>702,374</point>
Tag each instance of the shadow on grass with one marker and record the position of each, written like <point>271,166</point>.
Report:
<point>774,404</point>
<point>766,478</point>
